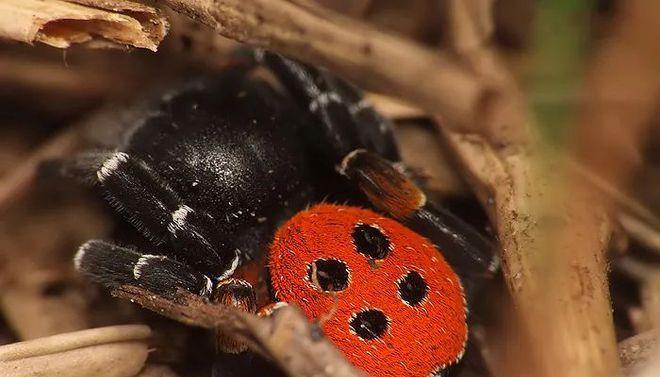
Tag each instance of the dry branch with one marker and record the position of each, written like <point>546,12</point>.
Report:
<point>625,67</point>
<point>62,23</point>
<point>372,59</point>
<point>287,337</point>
<point>553,254</point>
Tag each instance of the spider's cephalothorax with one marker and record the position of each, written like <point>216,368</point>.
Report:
<point>219,170</point>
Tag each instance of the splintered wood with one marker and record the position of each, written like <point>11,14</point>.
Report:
<point>107,23</point>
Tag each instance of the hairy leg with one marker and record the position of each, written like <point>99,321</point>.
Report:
<point>154,208</point>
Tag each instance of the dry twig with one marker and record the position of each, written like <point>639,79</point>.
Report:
<point>286,336</point>
<point>372,59</point>
<point>564,288</point>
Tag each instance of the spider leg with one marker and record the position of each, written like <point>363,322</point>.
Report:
<point>114,266</point>
<point>471,254</point>
<point>239,294</point>
<point>153,207</point>
<point>347,120</point>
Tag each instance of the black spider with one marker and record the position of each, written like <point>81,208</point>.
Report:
<point>209,173</point>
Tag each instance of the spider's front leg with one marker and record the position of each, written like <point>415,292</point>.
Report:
<point>154,208</point>
<point>115,266</point>
<point>203,260</point>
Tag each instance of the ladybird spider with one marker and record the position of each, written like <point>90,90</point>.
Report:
<point>222,173</point>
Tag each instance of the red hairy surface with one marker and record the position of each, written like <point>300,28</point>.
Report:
<point>419,339</point>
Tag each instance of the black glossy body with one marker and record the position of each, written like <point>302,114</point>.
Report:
<point>233,148</point>
<point>239,152</point>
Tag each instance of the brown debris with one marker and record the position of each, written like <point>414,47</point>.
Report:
<point>60,23</point>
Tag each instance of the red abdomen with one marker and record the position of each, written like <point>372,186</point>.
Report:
<point>385,295</point>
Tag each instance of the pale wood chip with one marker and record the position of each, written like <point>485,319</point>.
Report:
<point>123,359</point>
<point>115,351</point>
<point>73,340</point>
<point>63,23</point>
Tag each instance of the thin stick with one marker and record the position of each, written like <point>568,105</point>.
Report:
<point>286,336</point>
<point>372,59</point>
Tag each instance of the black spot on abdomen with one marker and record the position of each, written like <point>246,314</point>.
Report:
<point>413,288</point>
<point>369,324</point>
